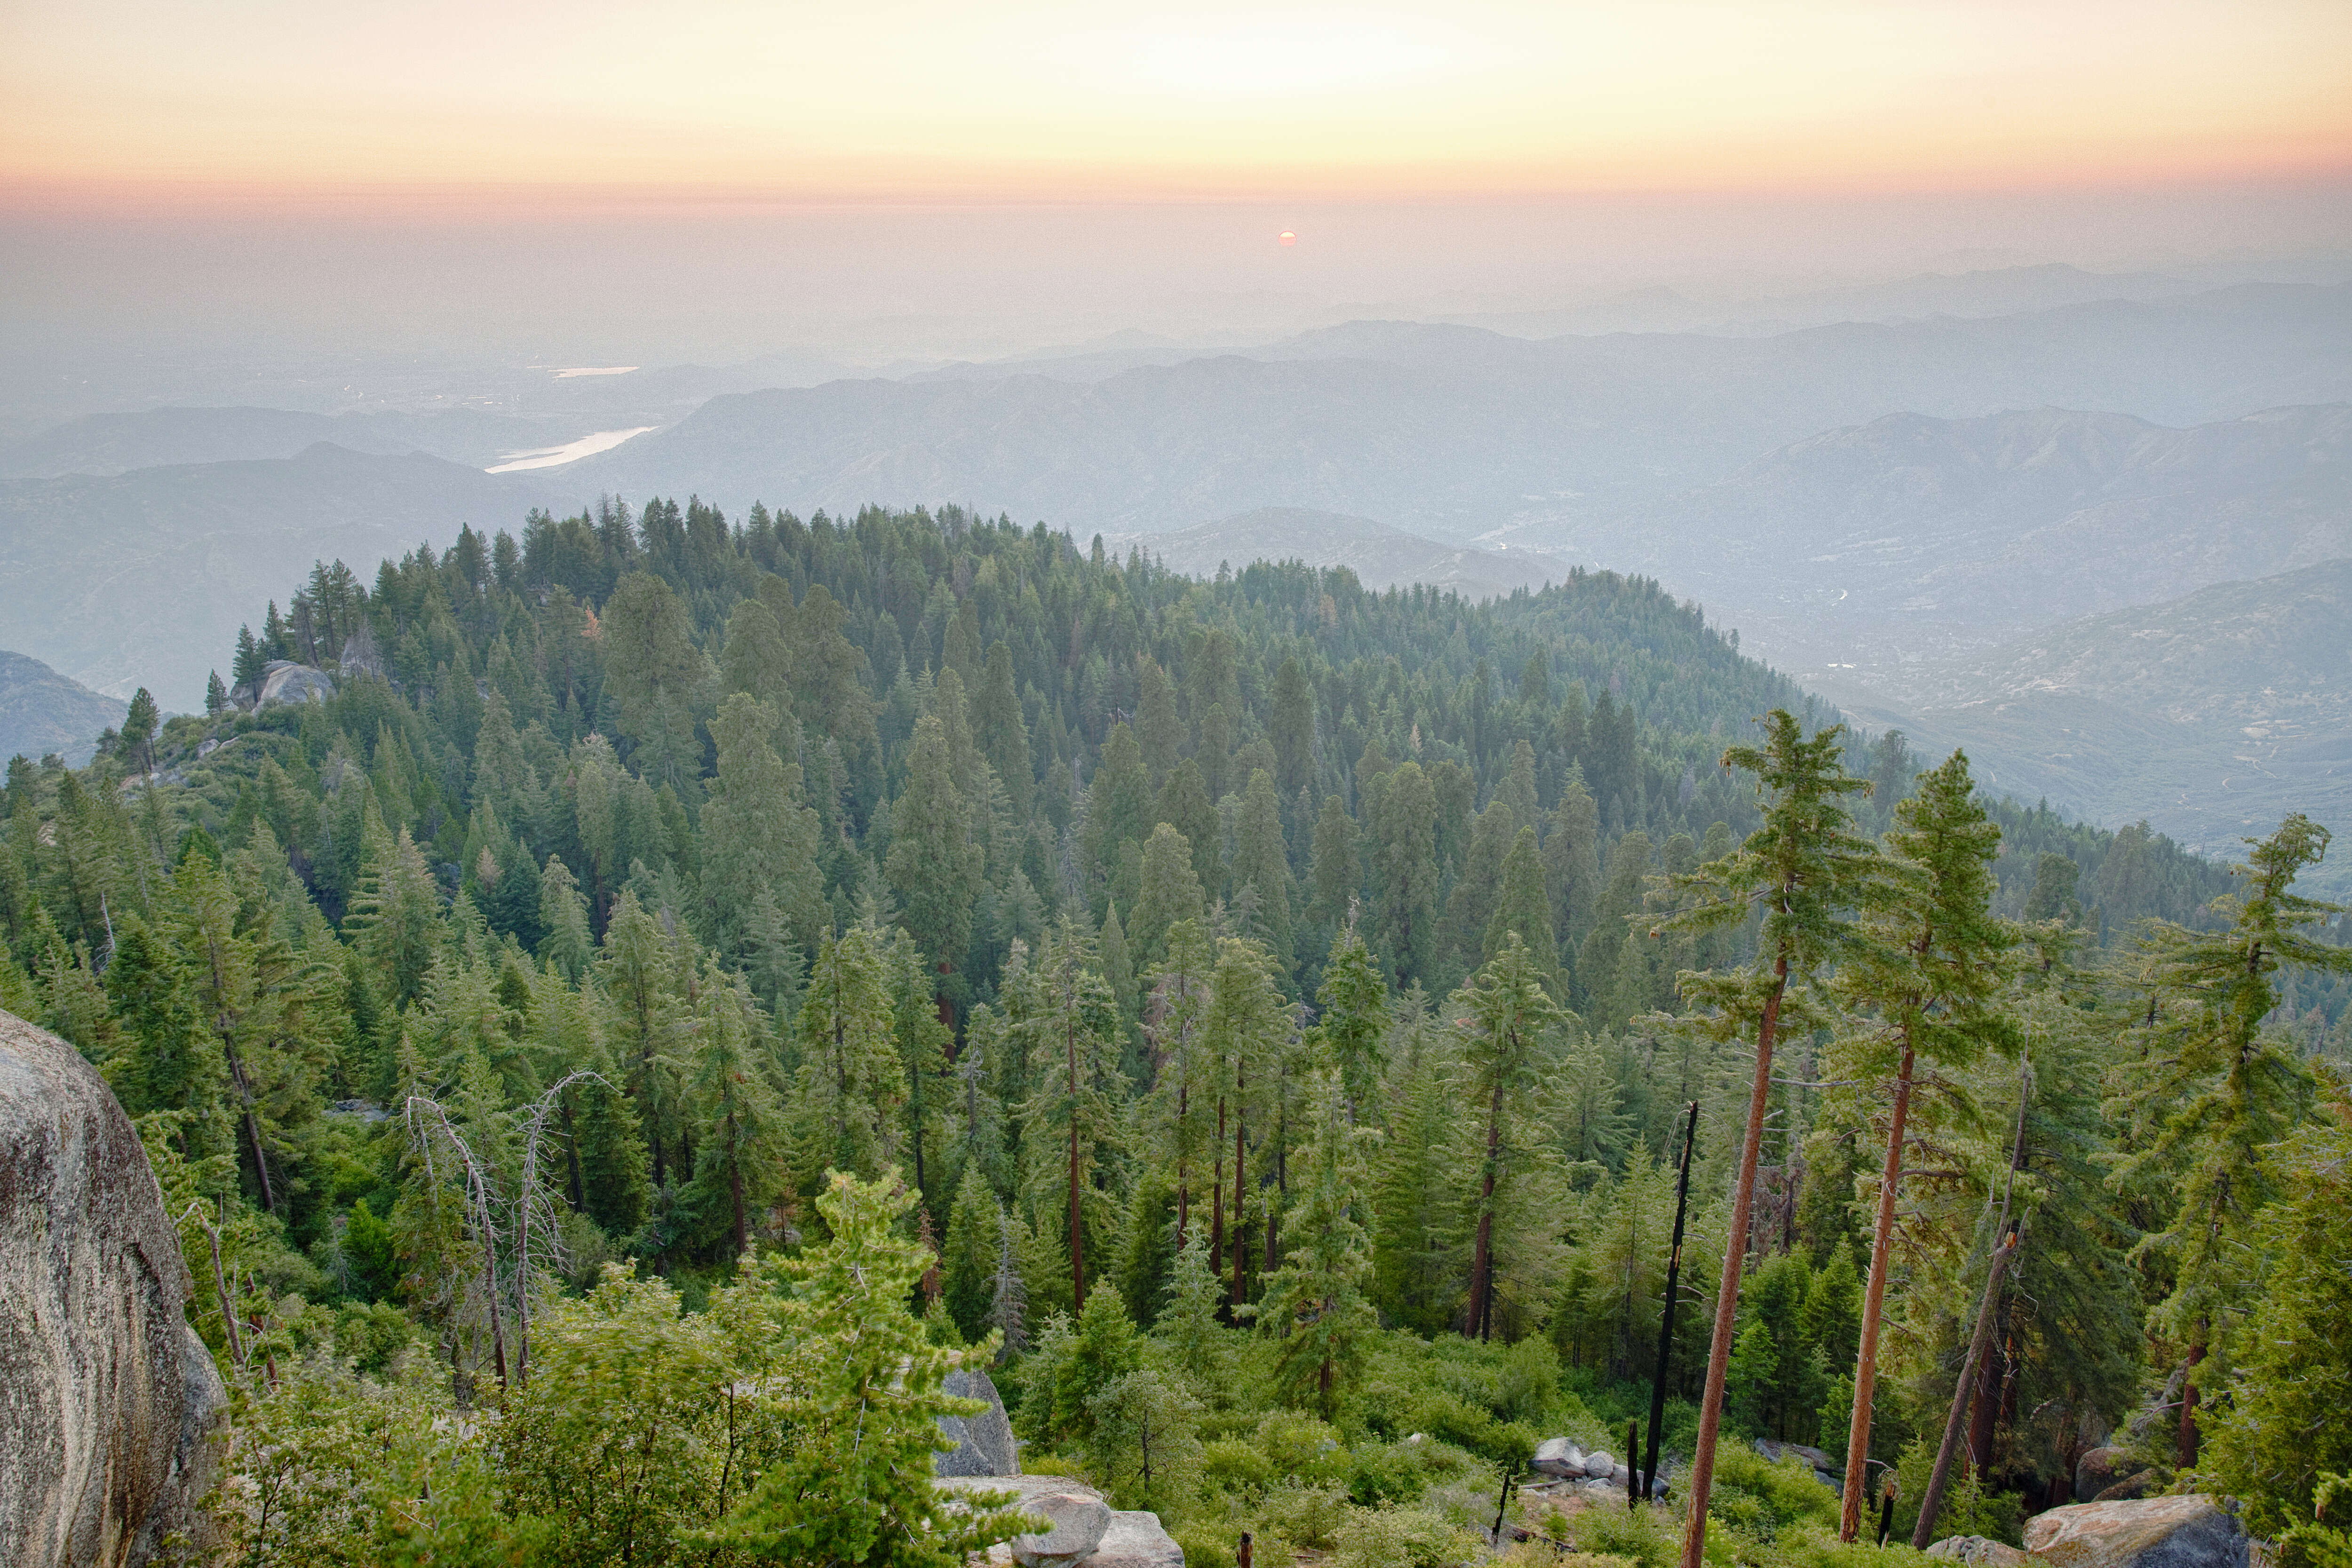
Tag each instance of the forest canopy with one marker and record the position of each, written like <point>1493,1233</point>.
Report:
<point>1259,1016</point>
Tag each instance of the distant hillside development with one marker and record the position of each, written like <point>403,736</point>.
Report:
<point>41,711</point>
<point>2212,716</point>
<point>1380,556</point>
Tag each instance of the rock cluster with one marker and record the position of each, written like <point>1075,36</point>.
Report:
<point>1086,1532</point>
<point>108,1400</point>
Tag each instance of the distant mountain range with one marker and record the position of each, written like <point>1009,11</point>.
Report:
<point>2210,715</point>
<point>41,711</point>
<point>1853,556</point>
<point>141,579</point>
<point>1452,431</point>
<point>1380,556</point>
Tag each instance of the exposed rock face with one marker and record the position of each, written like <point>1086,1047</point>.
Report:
<point>984,1443</point>
<point>2189,1532</point>
<point>108,1400</point>
<point>1599,1466</point>
<point>1981,1550</point>
<point>283,681</point>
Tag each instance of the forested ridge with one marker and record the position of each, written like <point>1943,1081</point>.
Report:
<point>742,966</point>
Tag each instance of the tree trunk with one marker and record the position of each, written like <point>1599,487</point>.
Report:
<point>1482,1256</point>
<point>1865,1365</point>
<point>1666,1323</point>
<point>2184,1447</point>
<point>1078,1234</point>
<point>1726,1295</point>
<point>1217,1199</point>
<point>1183,1171</point>
<point>1241,1195</point>
<point>1940,1477</point>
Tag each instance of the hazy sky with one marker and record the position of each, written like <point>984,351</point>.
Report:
<point>946,97</point>
<point>598,177</point>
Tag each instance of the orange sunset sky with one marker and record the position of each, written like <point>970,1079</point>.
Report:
<point>925,99</point>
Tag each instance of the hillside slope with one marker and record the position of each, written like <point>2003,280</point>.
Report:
<point>41,711</point>
<point>2211,715</point>
<point>1852,556</point>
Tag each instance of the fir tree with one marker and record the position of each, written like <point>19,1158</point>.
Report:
<point>934,866</point>
<point>1802,870</point>
<point>1316,1305</point>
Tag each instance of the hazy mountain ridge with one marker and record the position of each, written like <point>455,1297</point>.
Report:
<point>143,578</point>
<point>42,712</point>
<point>1455,431</point>
<point>1380,556</point>
<point>101,444</point>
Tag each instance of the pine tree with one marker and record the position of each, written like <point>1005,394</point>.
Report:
<point>1571,859</point>
<point>1244,1036</point>
<point>1184,805</point>
<point>563,915</point>
<point>854,1483</point>
<point>1291,725</point>
<point>1171,891</point>
<point>1183,1076</point>
<point>2215,1089</point>
<point>741,1141</point>
<point>247,667</point>
<point>1504,1054</point>
<point>1353,1031</point>
<point>1802,870</point>
<point>652,671</point>
<point>1479,890</point>
<point>1335,872</point>
<point>1316,1304</point>
<point>934,866</point>
<point>1158,730</point>
<point>755,659</point>
<point>1929,965</point>
<point>1004,738</point>
<point>967,1261</point>
<point>1071,1025</point>
<point>1405,874</point>
<point>851,1088</point>
<point>1261,862</point>
<point>1522,909</point>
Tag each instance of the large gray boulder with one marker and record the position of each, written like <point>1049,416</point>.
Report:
<point>1558,1457</point>
<point>984,1444</point>
<point>1980,1549</point>
<point>108,1400</point>
<point>1136,1539</point>
<point>2189,1532</point>
<point>285,681</point>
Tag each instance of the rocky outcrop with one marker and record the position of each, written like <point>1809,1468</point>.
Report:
<point>283,681</point>
<point>108,1400</point>
<point>2190,1531</point>
<point>1981,1550</point>
<point>985,1444</point>
<point>1827,1469</point>
<point>1087,1533</point>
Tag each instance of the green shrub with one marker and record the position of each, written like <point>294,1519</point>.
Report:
<point>1386,1473</point>
<point>1231,1466</point>
<point>1301,1447</point>
<point>1307,1515</point>
<point>1205,1545</point>
<point>1969,1508</point>
<point>1401,1538</point>
<point>1650,1537</point>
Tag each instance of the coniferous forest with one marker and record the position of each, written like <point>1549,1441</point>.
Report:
<point>681,985</point>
